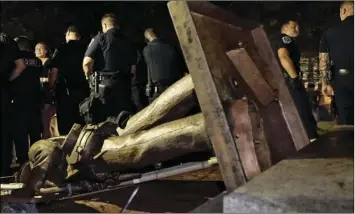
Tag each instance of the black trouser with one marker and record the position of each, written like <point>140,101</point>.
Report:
<point>25,124</point>
<point>6,143</point>
<point>68,109</point>
<point>138,96</point>
<point>157,91</point>
<point>115,97</point>
<point>300,97</point>
<point>344,98</point>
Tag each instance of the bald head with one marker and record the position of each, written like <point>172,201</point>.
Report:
<point>291,29</point>
<point>150,35</point>
<point>108,21</point>
<point>346,9</point>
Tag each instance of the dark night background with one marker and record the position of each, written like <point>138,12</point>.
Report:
<point>47,21</point>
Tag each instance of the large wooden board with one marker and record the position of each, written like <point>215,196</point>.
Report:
<point>207,34</point>
<point>209,98</point>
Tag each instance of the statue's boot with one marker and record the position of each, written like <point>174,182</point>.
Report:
<point>161,143</point>
<point>43,155</point>
<point>174,103</point>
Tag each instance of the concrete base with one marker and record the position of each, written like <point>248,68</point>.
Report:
<point>304,185</point>
<point>212,206</point>
<point>318,178</point>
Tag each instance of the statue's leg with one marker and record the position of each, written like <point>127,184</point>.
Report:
<point>43,155</point>
<point>174,103</point>
<point>160,143</point>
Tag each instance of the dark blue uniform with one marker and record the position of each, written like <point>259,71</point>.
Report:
<point>72,87</point>
<point>138,84</point>
<point>296,88</point>
<point>25,106</point>
<point>339,43</point>
<point>9,52</point>
<point>115,77</point>
<point>164,66</point>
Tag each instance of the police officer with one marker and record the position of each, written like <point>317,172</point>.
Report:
<point>25,103</point>
<point>337,50</point>
<point>11,66</point>
<point>163,64</point>
<point>72,87</point>
<point>289,56</point>
<point>111,94</point>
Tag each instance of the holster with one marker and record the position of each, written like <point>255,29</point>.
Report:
<point>88,107</point>
<point>149,91</point>
<point>104,88</point>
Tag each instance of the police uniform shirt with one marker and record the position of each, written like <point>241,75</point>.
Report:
<point>118,54</point>
<point>9,53</point>
<point>339,43</point>
<point>141,71</point>
<point>28,83</point>
<point>68,61</point>
<point>162,61</point>
<point>292,48</point>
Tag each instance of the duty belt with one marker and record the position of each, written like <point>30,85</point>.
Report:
<point>108,75</point>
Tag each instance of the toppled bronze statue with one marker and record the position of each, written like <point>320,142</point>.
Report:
<point>159,132</point>
<point>156,133</point>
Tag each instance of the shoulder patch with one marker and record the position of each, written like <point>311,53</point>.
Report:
<point>286,39</point>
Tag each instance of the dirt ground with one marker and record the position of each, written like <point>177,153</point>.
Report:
<point>180,193</point>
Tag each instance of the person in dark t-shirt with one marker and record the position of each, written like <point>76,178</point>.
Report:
<point>42,51</point>
<point>11,67</point>
<point>119,58</point>
<point>289,58</point>
<point>72,87</point>
<point>336,64</point>
<point>163,65</point>
<point>25,102</point>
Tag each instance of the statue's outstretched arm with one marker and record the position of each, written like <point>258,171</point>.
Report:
<point>174,103</point>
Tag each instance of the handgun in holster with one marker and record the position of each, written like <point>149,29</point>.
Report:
<point>149,91</point>
<point>94,82</point>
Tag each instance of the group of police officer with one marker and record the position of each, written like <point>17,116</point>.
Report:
<point>92,83</point>
<point>336,64</point>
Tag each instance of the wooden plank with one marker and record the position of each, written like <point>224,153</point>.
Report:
<point>276,131</point>
<point>208,97</point>
<point>208,9</point>
<point>252,76</point>
<point>241,127</point>
<point>261,144</point>
<point>289,110</point>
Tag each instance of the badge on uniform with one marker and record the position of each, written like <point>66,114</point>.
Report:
<point>286,39</point>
